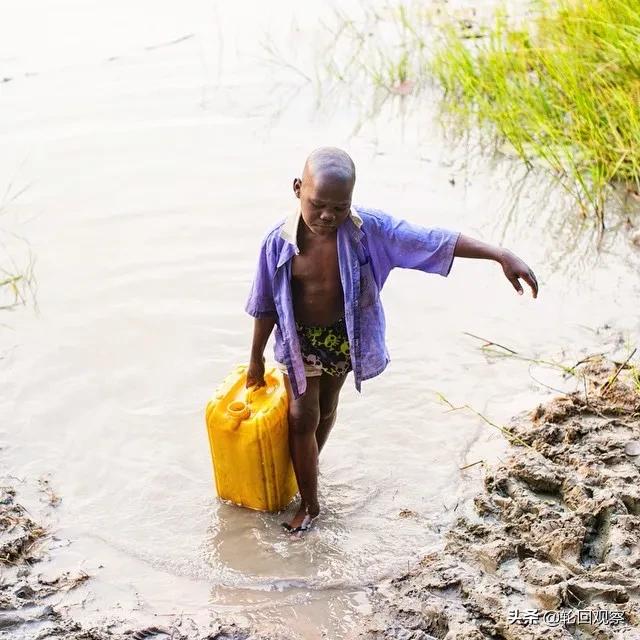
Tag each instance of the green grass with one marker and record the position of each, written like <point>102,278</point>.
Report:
<point>12,284</point>
<point>562,88</point>
<point>560,85</point>
<point>635,376</point>
<point>17,283</point>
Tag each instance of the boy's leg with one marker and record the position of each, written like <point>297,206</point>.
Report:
<point>304,415</point>
<point>311,418</point>
<point>329,394</point>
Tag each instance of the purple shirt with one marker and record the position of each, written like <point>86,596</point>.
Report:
<point>370,244</point>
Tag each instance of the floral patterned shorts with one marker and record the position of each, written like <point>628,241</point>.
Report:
<point>325,349</point>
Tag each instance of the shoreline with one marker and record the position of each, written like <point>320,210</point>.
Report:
<point>556,527</point>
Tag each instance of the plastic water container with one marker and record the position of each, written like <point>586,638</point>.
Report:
<point>248,434</point>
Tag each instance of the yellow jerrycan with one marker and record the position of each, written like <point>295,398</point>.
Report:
<point>248,435</point>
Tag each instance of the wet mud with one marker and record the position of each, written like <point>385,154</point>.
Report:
<point>29,598</point>
<point>550,547</point>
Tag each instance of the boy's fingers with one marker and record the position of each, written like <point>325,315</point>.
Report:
<point>516,284</point>
<point>530,279</point>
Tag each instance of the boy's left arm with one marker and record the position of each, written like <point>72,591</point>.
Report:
<point>514,268</point>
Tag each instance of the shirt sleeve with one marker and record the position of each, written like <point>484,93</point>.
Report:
<point>410,246</point>
<point>260,302</point>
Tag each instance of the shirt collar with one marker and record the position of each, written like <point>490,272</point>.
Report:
<point>289,231</point>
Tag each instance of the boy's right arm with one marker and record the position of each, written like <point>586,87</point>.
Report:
<point>261,306</point>
<point>262,328</point>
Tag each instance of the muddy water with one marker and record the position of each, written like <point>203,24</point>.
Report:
<point>156,143</point>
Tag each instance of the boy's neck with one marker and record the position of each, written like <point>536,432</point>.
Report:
<point>306,236</point>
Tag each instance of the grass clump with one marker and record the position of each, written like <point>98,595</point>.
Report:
<point>16,283</point>
<point>562,88</point>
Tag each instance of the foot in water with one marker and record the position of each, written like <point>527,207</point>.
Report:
<point>302,521</point>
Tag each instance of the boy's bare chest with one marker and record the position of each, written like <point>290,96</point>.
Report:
<point>317,264</point>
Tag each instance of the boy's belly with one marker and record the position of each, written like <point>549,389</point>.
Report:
<point>317,306</point>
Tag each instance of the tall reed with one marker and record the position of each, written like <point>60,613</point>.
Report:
<point>562,88</point>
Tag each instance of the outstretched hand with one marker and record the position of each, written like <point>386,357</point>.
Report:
<point>514,268</point>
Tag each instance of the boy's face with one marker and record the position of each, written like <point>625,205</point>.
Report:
<point>325,201</point>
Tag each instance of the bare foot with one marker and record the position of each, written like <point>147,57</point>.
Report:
<point>299,517</point>
<point>303,518</point>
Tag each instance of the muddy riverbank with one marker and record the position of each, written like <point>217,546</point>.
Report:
<point>30,598</point>
<point>553,536</point>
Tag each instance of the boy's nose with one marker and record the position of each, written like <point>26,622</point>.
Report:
<point>327,217</point>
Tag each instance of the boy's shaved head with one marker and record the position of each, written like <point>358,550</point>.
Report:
<point>325,190</point>
<point>329,162</point>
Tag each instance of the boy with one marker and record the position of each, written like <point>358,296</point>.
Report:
<point>318,282</point>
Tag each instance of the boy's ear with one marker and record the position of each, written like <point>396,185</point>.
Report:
<point>297,183</point>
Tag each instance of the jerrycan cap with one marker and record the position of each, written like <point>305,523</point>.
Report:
<point>239,410</point>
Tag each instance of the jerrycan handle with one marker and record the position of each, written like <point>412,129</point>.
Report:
<point>242,410</point>
<point>251,391</point>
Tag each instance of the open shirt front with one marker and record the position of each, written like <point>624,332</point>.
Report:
<point>370,244</point>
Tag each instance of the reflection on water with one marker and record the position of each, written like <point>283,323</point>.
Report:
<point>155,172</point>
